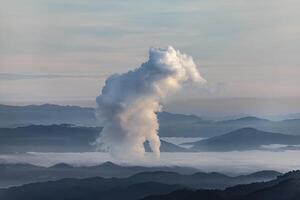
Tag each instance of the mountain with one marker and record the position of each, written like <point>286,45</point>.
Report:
<point>173,118</point>
<point>185,194</point>
<point>60,166</point>
<point>134,187</point>
<point>86,189</point>
<point>48,138</point>
<point>46,114</point>
<point>263,175</point>
<point>286,188</point>
<point>245,189</point>
<point>58,138</point>
<point>166,147</point>
<point>284,117</point>
<point>243,139</point>
<point>178,125</point>
<point>197,127</point>
<point>171,124</point>
<point>18,174</point>
<point>211,180</point>
<point>245,120</point>
<point>70,138</point>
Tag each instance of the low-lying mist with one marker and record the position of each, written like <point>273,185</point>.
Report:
<point>227,162</point>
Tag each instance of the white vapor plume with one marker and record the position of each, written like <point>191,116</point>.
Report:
<point>128,102</point>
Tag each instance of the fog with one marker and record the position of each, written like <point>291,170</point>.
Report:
<point>180,140</point>
<point>226,162</point>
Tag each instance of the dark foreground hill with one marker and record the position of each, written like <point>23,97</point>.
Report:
<point>285,187</point>
<point>244,139</point>
<point>85,189</point>
<point>18,174</point>
<point>211,180</point>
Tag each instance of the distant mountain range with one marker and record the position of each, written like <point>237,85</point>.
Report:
<point>70,138</point>
<point>171,125</point>
<point>48,138</point>
<point>244,139</point>
<point>20,173</point>
<point>166,147</point>
<point>59,138</point>
<point>133,187</point>
<point>284,117</point>
<point>285,187</point>
<point>46,114</point>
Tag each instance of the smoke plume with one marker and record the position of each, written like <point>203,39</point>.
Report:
<point>128,102</point>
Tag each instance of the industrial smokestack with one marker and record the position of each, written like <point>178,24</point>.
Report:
<point>128,102</point>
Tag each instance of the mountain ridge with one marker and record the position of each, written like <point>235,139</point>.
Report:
<point>171,124</point>
<point>243,139</point>
<point>17,174</point>
<point>277,189</point>
<point>59,138</point>
<point>113,189</point>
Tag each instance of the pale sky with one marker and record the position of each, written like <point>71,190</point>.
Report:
<point>58,51</point>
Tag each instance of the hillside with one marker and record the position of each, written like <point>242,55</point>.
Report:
<point>48,138</point>
<point>17,174</point>
<point>171,125</point>
<point>278,189</point>
<point>244,139</point>
<point>166,147</point>
<point>133,187</point>
<point>85,189</point>
<point>46,114</point>
<point>58,138</point>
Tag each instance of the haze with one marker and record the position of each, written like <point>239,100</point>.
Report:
<point>247,50</point>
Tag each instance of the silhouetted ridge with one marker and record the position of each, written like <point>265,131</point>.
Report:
<point>170,124</point>
<point>244,139</point>
<point>295,174</point>
<point>286,189</point>
<point>265,173</point>
<point>109,164</point>
<point>246,119</point>
<point>61,165</point>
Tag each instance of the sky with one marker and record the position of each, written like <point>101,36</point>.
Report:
<point>61,51</point>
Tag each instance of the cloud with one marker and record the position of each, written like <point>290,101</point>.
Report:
<point>128,102</point>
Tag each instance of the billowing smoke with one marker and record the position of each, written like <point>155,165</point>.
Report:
<point>128,102</point>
